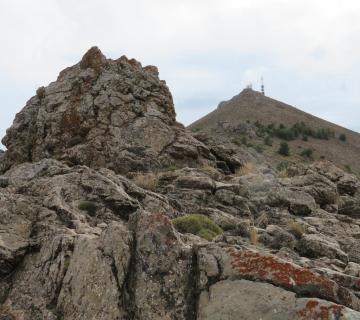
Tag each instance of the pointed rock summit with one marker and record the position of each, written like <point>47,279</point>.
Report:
<point>103,113</point>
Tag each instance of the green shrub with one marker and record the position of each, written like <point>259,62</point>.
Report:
<point>259,148</point>
<point>324,133</point>
<point>286,134</point>
<point>307,153</point>
<point>89,206</point>
<point>197,224</point>
<point>342,137</point>
<point>284,149</point>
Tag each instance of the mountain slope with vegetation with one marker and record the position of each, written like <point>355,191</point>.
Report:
<point>252,119</point>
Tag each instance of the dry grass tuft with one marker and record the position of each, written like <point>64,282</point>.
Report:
<point>296,228</point>
<point>211,171</point>
<point>253,235</point>
<point>248,167</point>
<point>147,181</point>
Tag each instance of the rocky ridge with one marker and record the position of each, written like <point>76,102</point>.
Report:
<point>80,239</point>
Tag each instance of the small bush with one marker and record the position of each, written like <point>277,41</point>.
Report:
<point>199,225</point>
<point>148,181</point>
<point>284,149</point>
<point>246,168</point>
<point>296,228</point>
<point>348,169</point>
<point>89,206</point>
<point>342,137</point>
<point>307,153</point>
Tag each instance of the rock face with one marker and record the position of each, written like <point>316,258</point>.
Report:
<point>103,113</point>
<point>80,240</point>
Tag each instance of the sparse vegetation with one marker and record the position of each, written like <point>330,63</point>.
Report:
<point>348,169</point>
<point>299,129</point>
<point>148,181</point>
<point>40,92</point>
<point>284,149</point>
<point>282,169</point>
<point>342,137</point>
<point>211,171</point>
<point>307,153</point>
<point>246,168</point>
<point>170,168</point>
<point>296,228</point>
<point>199,225</point>
<point>253,235</point>
<point>89,206</point>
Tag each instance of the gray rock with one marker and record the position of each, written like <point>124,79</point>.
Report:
<point>297,202</point>
<point>312,245</point>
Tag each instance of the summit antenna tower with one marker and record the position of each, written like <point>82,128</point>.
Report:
<point>262,86</point>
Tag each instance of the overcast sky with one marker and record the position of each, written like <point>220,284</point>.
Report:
<point>307,50</point>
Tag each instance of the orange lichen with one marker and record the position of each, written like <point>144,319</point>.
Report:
<point>313,310</point>
<point>287,275</point>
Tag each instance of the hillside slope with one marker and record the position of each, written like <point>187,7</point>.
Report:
<point>232,119</point>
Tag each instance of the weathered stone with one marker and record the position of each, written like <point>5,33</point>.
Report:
<point>312,245</point>
<point>297,202</point>
<point>163,271</point>
<point>280,238</point>
<point>319,187</point>
<point>243,300</point>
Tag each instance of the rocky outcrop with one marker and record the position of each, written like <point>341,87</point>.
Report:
<point>103,113</point>
<point>84,235</point>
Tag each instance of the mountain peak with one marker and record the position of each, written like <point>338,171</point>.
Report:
<point>241,117</point>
